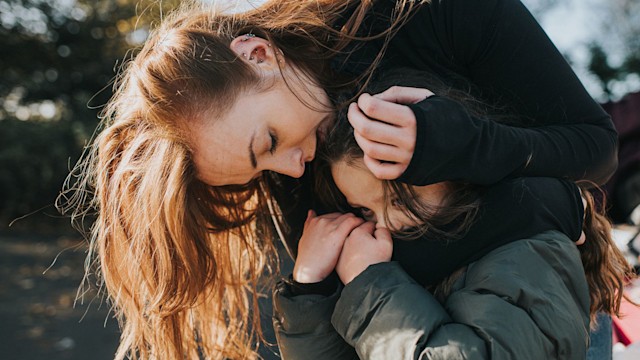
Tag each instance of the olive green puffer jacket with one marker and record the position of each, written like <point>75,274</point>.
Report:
<point>525,300</point>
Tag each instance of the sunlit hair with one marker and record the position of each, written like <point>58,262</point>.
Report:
<point>606,269</point>
<point>181,261</point>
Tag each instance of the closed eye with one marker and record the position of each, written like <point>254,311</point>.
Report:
<point>398,203</point>
<point>274,142</point>
<point>366,213</point>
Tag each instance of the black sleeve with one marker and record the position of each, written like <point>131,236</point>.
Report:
<point>499,48</point>
<point>510,210</point>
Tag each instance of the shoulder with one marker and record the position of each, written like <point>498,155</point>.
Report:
<point>531,292</point>
<point>531,258</point>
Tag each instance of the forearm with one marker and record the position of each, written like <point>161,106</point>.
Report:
<point>453,144</point>
<point>303,326</point>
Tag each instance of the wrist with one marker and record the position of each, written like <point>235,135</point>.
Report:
<point>306,275</point>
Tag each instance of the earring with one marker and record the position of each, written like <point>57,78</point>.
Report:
<point>248,36</point>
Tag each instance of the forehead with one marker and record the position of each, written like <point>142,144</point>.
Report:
<point>220,143</point>
<point>356,182</point>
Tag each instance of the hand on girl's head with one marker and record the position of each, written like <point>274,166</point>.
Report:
<point>321,244</point>
<point>385,129</point>
<point>366,245</point>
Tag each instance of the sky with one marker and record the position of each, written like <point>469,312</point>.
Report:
<point>572,25</point>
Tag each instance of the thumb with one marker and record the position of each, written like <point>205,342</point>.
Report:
<point>368,227</point>
<point>383,234</point>
<point>310,215</point>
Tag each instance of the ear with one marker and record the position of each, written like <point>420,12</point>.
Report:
<point>257,51</point>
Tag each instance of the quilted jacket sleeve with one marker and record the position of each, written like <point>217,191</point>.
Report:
<point>303,326</point>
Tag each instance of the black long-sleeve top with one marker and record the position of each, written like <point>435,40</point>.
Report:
<point>496,48</point>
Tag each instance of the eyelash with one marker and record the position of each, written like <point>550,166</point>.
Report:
<point>397,203</point>
<point>274,142</point>
<point>366,213</point>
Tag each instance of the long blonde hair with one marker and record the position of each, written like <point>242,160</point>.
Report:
<point>182,261</point>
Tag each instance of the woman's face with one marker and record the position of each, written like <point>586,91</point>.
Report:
<point>365,192</point>
<point>273,129</point>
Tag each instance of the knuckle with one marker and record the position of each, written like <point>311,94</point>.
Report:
<point>374,152</point>
<point>367,131</point>
<point>369,106</point>
<point>394,90</point>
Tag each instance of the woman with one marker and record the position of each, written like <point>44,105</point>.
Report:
<point>177,176</point>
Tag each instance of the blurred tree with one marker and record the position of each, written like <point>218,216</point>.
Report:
<point>57,61</point>
<point>615,55</point>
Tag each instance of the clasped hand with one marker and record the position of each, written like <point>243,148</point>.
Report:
<point>343,242</point>
<point>385,128</point>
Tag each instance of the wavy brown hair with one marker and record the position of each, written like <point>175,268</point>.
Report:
<point>182,262</point>
<point>606,268</point>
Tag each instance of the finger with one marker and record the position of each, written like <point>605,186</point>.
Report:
<point>348,224</point>
<point>384,170</point>
<point>368,227</point>
<point>383,152</point>
<point>383,234</point>
<point>386,111</point>
<point>331,216</point>
<point>372,129</point>
<point>404,95</point>
<point>310,215</point>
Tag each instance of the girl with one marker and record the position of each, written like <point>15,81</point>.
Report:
<point>527,299</point>
<point>182,178</point>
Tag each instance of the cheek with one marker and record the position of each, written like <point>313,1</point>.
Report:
<point>399,219</point>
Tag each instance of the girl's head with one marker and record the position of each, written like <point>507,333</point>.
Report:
<point>344,183</point>
<point>366,194</point>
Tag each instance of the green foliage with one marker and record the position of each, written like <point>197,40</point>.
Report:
<point>600,67</point>
<point>34,160</point>
<point>56,65</point>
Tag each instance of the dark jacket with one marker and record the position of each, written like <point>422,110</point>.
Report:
<point>525,300</point>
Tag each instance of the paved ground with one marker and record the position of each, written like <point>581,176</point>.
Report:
<point>37,316</point>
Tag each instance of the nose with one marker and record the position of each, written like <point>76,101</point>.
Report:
<point>291,165</point>
<point>309,147</point>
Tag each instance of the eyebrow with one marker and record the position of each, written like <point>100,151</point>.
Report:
<point>252,154</point>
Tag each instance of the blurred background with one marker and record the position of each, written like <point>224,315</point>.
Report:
<point>57,60</point>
